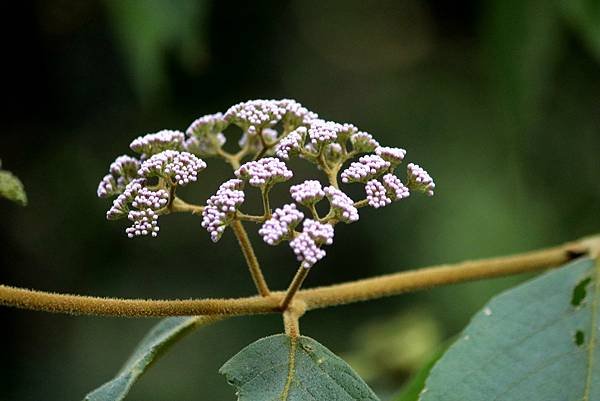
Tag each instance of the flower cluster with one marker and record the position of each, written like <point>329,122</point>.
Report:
<point>254,115</point>
<point>204,136</point>
<point>281,225</point>
<point>151,144</point>
<point>366,168</point>
<point>264,172</point>
<point>291,144</point>
<point>221,207</point>
<point>342,205</point>
<point>307,245</point>
<point>272,133</point>
<point>178,167</point>
<point>307,193</point>
<point>122,171</point>
<point>420,179</point>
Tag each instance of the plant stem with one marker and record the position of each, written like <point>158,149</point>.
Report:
<point>264,192</point>
<point>180,206</point>
<point>291,318</point>
<point>294,287</point>
<point>361,203</point>
<point>360,290</point>
<point>248,251</point>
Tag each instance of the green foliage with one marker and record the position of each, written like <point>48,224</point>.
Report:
<point>12,188</point>
<point>156,342</point>
<point>282,368</point>
<point>534,342</point>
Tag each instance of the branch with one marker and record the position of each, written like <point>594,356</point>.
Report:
<point>322,297</point>
<point>251,261</point>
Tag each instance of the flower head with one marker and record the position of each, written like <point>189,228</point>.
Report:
<point>291,143</point>
<point>392,155</point>
<point>280,226</point>
<point>321,233</point>
<point>363,142</point>
<point>221,207</point>
<point>255,114</point>
<point>395,189</point>
<point>307,193</point>
<point>307,251</point>
<point>145,218</point>
<point>366,168</point>
<point>151,144</point>
<point>179,167</point>
<point>419,179</point>
<point>210,124</point>
<point>120,206</point>
<point>376,194</point>
<point>122,171</point>
<point>342,205</point>
<point>264,172</point>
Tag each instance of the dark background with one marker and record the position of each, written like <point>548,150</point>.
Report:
<point>499,100</point>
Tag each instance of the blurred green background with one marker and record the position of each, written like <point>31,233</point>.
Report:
<point>499,100</point>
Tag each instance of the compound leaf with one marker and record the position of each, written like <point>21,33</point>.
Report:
<point>535,342</point>
<point>282,368</point>
<point>152,346</point>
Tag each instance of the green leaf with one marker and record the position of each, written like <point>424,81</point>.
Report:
<point>285,368</point>
<point>535,342</point>
<point>156,342</point>
<point>11,188</point>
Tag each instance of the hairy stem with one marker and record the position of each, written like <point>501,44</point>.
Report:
<point>264,192</point>
<point>360,290</point>
<point>294,287</point>
<point>361,203</point>
<point>255,272</point>
<point>180,206</point>
<point>291,318</point>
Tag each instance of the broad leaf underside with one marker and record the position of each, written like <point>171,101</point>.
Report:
<point>535,342</point>
<point>280,368</point>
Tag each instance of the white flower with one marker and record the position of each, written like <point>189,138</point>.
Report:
<point>179,167</point>
<point>307,193</point>
<point>366,168</point>
<point>376,194</point>
<point>395,189</point>
<point>122,171</point>
<point>419,179</point>
<point>264,172</point>
<point>151,144</point>
<point>321,233</point>
<point>280,226</point>
<point>291,143</point>
<point>392,155</point>
<point>363,142</point>
<point>220,208</point>
<point>306,250</point>
<point>342,205</point>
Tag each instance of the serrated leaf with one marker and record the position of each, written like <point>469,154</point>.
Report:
<point>11,188</point>
<point>535,342</point>
<point>281,368</point>
<point>152,346</point>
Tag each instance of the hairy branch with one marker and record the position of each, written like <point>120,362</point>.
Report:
<point>360,290</point>
<point>251,261</point>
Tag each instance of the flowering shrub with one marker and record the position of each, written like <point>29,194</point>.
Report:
<point>515,336</point>
<point>273,132</point>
